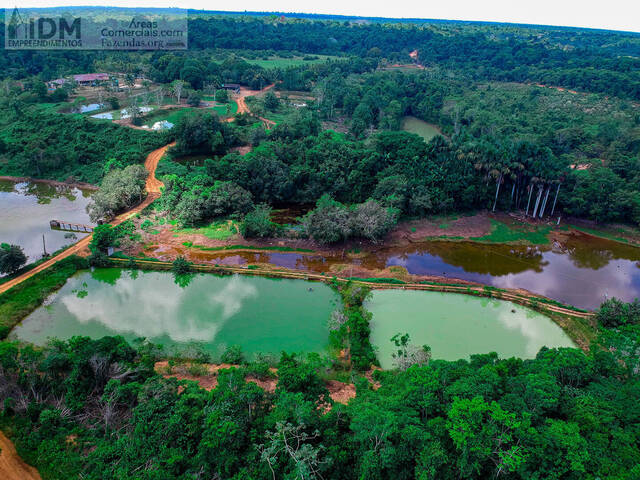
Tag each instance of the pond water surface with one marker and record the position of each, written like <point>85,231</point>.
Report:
<point>26,209</point>
<point>259,314</point>
<point>456,326</point>
<point>420,127</point>
<point>580,270</point>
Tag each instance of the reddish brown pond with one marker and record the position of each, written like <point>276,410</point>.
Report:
<point>581,270</point>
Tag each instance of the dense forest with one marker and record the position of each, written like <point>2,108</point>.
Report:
<point>297,162</point>
<point>566,58</point>
<point>39,142</point>
<point>505,146</point>
<point>97,409</point>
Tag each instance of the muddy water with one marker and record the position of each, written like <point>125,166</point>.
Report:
<point>456,326</point>
<point>580,270</point>
<point>27,208</point>
<point>259,314</point>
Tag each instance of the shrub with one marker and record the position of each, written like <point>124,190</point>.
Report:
<point>329,222</point>
<point>332,222</point>
<point>222,96</point>
<point>614,313</point>
<point>120,189</point>
<point>12,258</point>
<point>98,259</point>
<point>372,221</point>
<point>258,224</point>
<point>181,266</point>
<point>233,354</point>
<point>271,102</point>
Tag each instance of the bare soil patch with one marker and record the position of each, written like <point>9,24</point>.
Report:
<point>12,467</point>
<point>417,230</point>
<point>339,392</point>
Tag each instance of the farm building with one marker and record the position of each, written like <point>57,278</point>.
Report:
<point>234,87</point>
<point>52,85</point>
<point>88,79</point>
<point>58,82</point>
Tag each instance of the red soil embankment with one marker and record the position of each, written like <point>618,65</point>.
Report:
<point>12,467</point>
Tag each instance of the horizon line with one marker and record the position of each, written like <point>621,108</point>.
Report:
<point>332,15</point>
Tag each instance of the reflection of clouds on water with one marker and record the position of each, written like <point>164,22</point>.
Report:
<point>231,297</point>
<point>583,287</point>
<point>532,327</point>
<point>583,276</point>
<point>157,307</point>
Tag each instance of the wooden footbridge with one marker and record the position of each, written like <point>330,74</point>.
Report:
<point>70,227</point>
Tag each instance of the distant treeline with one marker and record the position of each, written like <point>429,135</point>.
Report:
<point>570,58</point>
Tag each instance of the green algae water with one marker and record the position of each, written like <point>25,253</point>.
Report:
<point>213,312</point>
<point>420,127</point>
<point>456,326</point>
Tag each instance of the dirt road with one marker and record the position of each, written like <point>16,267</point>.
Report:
<point>12,467</point>
<point>244,108</point>
<point>81,247</point>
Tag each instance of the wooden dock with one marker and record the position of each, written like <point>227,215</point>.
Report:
<point>70,227</point>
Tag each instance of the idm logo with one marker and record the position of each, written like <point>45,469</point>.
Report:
<point>21,27</point>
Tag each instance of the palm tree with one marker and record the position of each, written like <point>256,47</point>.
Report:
<point>553,209</point>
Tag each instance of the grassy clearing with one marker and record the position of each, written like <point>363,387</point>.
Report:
<point>276,117</point>
<point>279,62</point>
<point>221,230</point>
<point>174,114</point>
<point>19,301</point>
<point>602,234</point>
<point>503,233</point>
<point>222,109</point>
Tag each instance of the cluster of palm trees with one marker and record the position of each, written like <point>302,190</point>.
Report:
<point>526,167</point>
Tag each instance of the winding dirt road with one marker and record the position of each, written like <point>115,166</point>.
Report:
<point>152,187</point>
<point>244,108</point>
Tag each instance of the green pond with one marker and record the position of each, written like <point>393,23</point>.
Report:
<point>26,209</point>
<point>456,326</point>
<point>213,312</point>
<point>420,127</point>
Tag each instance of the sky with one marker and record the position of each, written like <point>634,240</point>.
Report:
<point>610,14</point>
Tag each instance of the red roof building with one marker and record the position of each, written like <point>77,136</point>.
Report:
<point>89,78</point>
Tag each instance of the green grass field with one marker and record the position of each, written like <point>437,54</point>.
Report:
<point>503,233</point>
<point>278,62</point>
<point>221,230</point>
<point>173,115</point>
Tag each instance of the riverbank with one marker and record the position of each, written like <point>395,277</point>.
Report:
<point>574,266</point>
<point>165,240</point>
<point>54,183</point>
<point>81,248</point>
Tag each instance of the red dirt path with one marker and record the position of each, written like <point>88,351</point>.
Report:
<point>81,247</point>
